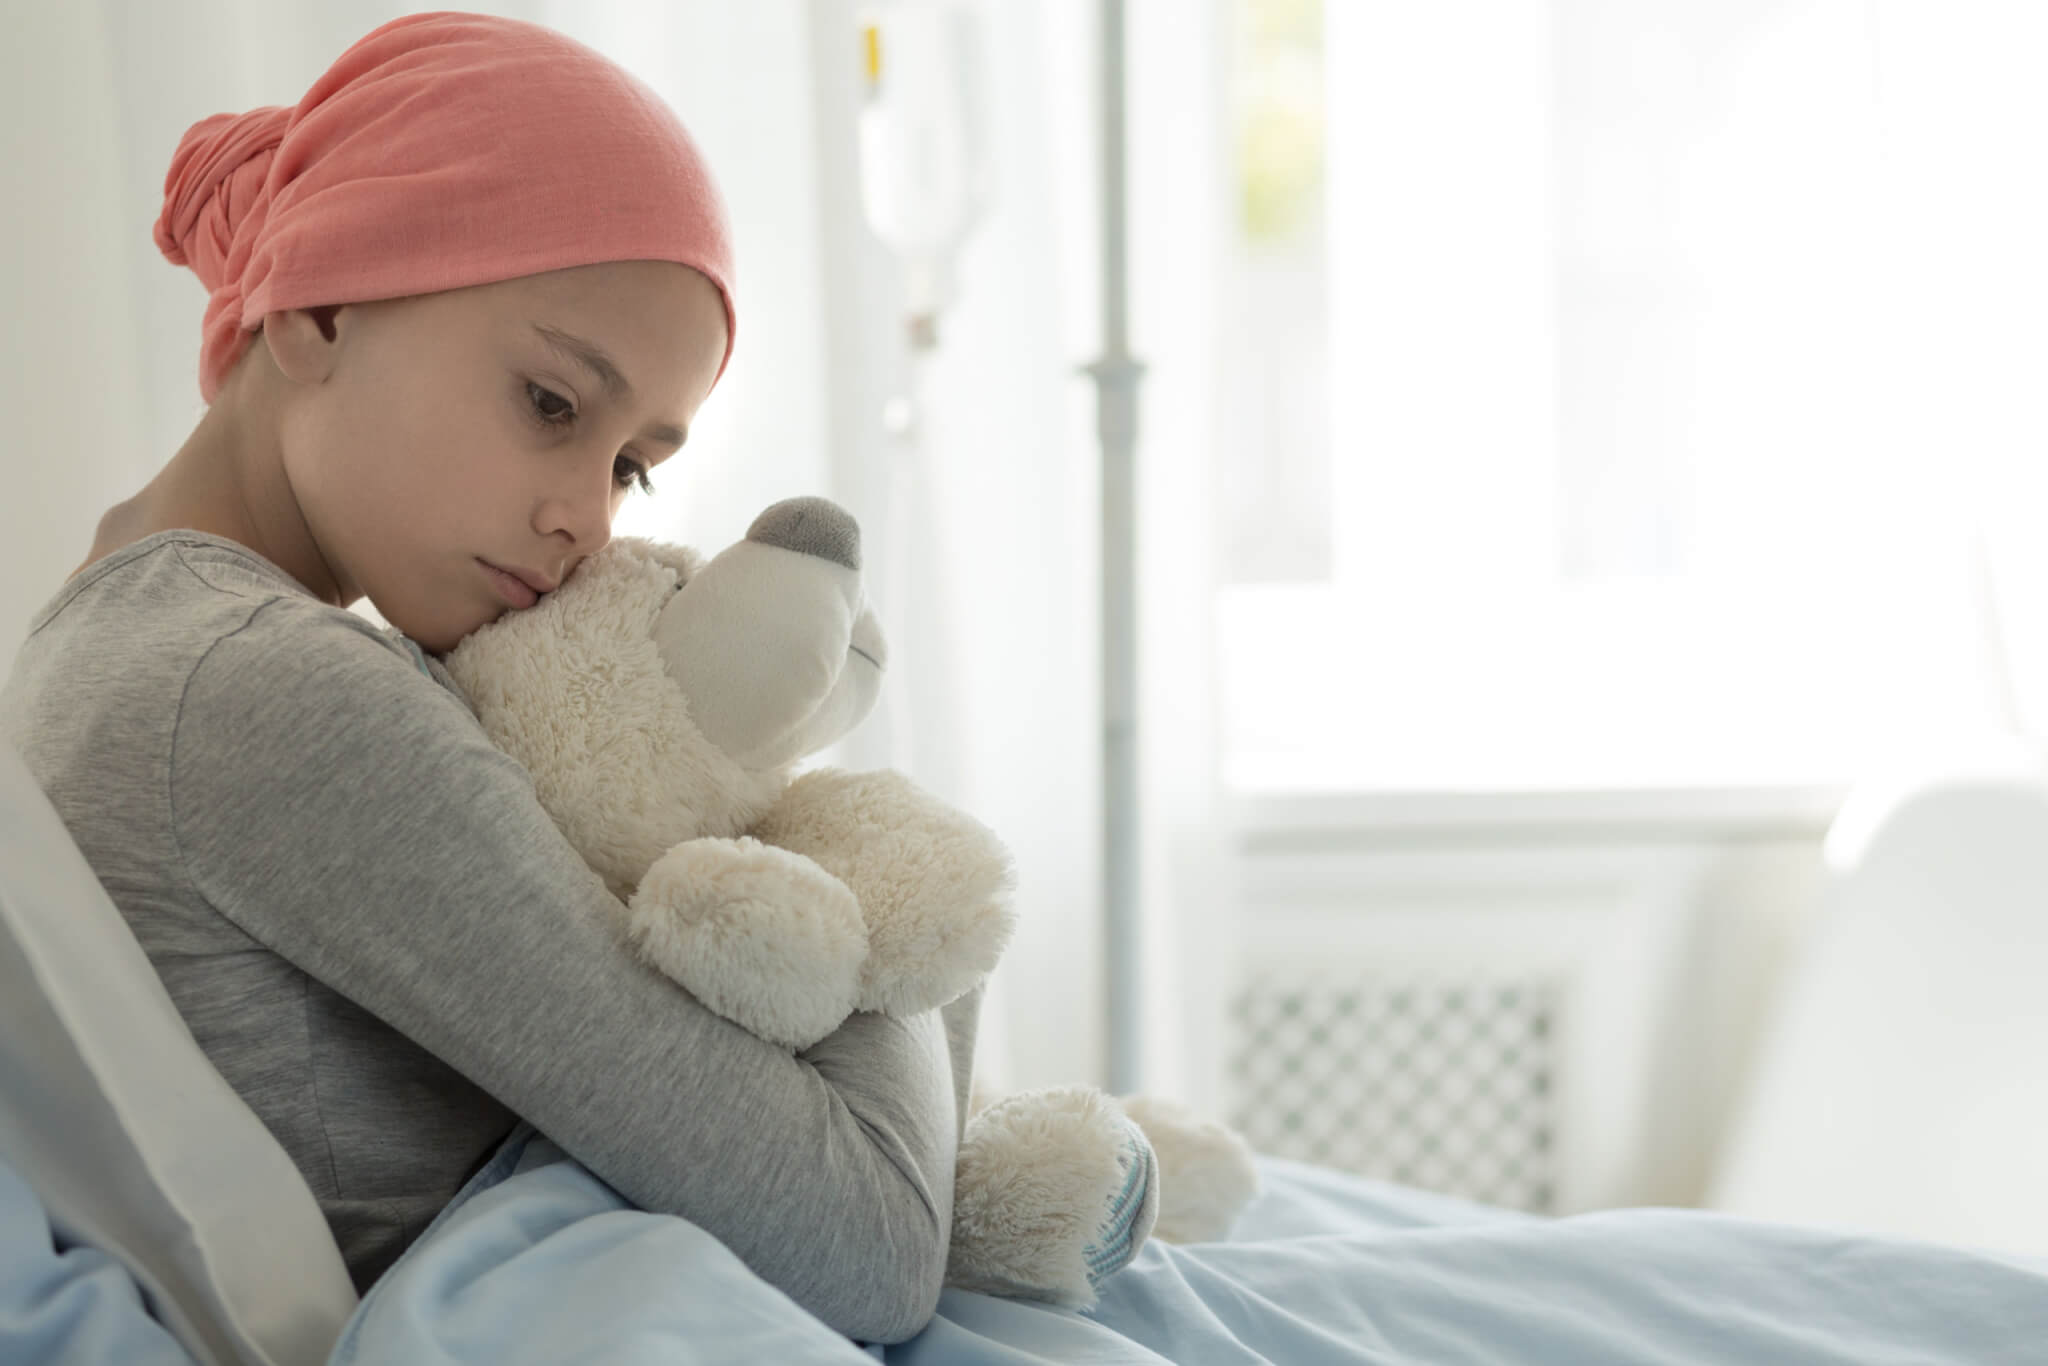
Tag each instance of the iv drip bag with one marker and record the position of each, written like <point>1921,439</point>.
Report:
<point>923,133</point>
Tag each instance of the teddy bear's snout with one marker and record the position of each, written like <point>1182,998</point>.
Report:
<point>810,526</point>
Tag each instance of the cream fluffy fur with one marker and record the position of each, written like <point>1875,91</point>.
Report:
<point>771,930</point>
<point>785,904</point>
<point>699,919</point>
<point>1030,1193</point>
<point>882,837</point>
<point>1205,1167</point>
<point>575,690</point>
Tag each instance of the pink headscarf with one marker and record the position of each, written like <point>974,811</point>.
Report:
<point>442,150</point>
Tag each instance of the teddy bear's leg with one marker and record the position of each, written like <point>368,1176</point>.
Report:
<point>764,937</point>
<point>933,883</point>
<point>1206,1175</point>
<point>1055,1190</point>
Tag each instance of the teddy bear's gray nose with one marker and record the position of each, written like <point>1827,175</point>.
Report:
<point>810,526</point>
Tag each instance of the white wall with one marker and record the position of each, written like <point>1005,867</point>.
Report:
<point>76,439</point>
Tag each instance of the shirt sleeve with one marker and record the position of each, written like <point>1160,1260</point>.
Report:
<point>349,814</point>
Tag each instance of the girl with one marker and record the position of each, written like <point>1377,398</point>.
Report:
<point>466,294</point>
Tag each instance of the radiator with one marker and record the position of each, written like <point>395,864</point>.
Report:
<point>1448,1085</point>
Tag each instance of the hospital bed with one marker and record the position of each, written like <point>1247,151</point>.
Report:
<point>147,1216</point>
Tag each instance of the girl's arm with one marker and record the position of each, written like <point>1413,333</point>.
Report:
<point>347,813</point>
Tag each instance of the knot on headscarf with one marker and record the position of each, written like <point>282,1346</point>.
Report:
<point>216,179</point>
<point>440,151</point>
<point>213,191</point>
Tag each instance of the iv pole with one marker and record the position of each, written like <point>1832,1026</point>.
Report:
<point>909,186</point>
<point>1116,375</point>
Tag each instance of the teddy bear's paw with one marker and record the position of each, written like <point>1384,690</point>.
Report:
<point>933,883</point>
<point>1055,1190</point>
<point>764,937</point>
<point>1205,1170</point>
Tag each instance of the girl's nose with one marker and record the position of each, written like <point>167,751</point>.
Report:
<point>583,511</point>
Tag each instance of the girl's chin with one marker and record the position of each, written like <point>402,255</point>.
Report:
<point>437,638</point>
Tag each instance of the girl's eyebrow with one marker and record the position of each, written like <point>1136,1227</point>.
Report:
<point>592,357</point>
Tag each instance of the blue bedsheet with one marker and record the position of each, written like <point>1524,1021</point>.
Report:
<point>62,1302</point>
<point>539,1262</point>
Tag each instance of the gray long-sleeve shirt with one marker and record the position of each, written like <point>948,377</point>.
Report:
<point>381,940</point>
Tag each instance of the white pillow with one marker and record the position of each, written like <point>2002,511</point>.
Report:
<point>137,1146</point>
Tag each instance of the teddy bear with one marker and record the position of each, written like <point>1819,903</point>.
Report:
<point>662,704</point>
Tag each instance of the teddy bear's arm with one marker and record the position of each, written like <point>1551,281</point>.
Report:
<point>932,882</point>
<point>760,935</point>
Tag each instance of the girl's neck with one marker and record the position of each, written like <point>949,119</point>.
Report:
<point>228,480</point>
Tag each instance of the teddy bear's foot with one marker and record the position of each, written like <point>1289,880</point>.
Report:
<point>933,882</point>
<point>1055,1190</point>
<point>1205,1171</point>
<point>764,937</point>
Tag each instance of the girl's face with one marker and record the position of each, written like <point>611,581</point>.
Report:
<point>459,443</point>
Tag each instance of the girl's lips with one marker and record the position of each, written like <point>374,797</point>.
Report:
<point>515,593</point>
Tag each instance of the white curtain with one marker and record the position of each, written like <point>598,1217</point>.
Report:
<point>988,543</point>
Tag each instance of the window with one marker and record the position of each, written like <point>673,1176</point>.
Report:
<point>1577,441</point>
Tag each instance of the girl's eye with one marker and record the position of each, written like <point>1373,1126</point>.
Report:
<point>552,410</point>
<point>626,472</point>
<point>550,407</point>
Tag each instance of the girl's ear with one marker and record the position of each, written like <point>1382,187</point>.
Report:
<point>303,341</point>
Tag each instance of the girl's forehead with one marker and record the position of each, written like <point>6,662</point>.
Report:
<point>631,294</point>
<point>620,312</point>
<point>636,327</point>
